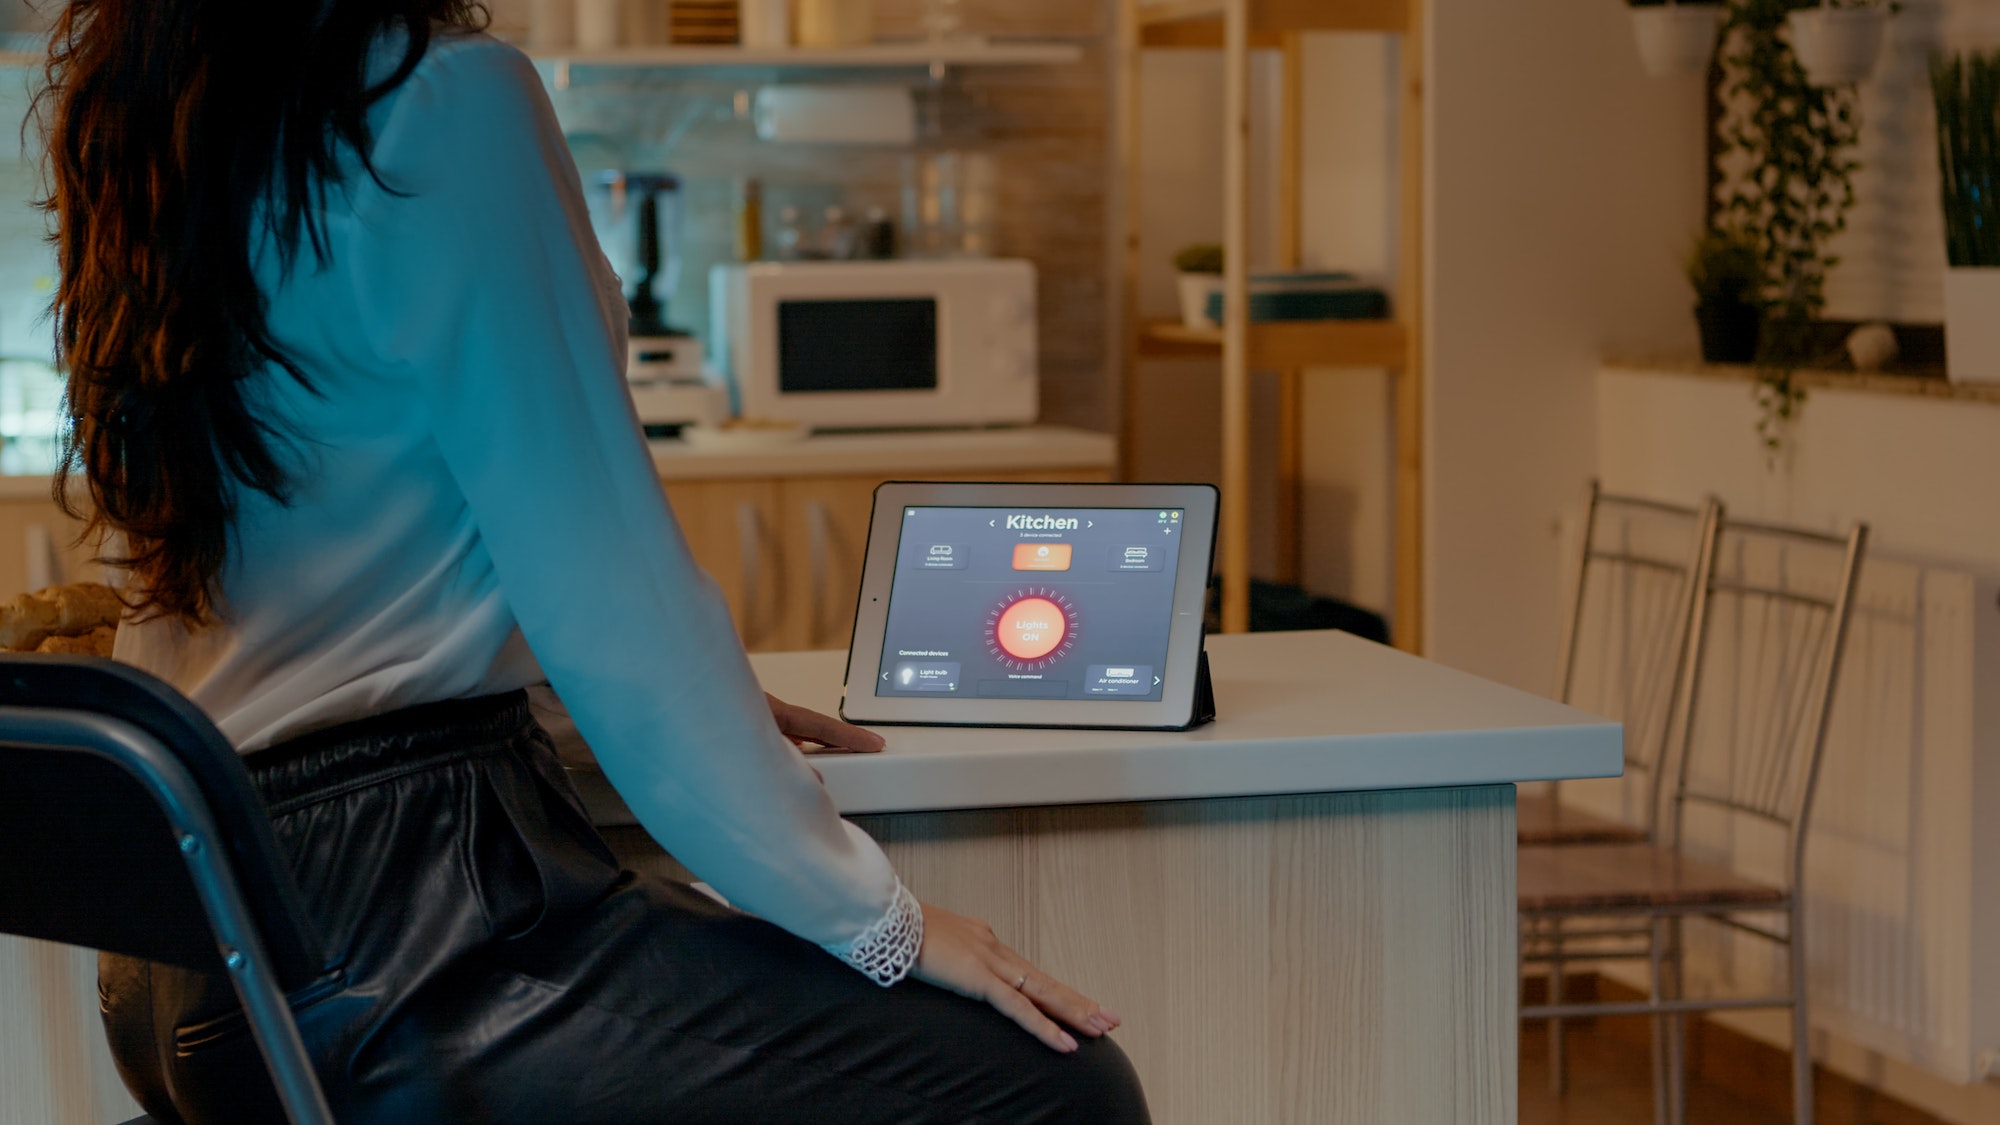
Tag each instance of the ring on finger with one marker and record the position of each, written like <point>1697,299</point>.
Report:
<point>1021,982</point>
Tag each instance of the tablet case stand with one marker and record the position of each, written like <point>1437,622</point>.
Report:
<point>1204,694</point>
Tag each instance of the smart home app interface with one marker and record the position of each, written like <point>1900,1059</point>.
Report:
<point>1031,604</point>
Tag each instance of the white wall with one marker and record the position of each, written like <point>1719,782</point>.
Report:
<point>1563,185</point>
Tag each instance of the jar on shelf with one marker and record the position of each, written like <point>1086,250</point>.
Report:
<point>835,23</point>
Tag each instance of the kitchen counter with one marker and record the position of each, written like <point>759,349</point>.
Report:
<point>1314,712</point>
<point>1304,911</point>
<point>907,454</point>
<point>901,454</point>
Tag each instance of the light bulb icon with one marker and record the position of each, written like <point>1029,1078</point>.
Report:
<point>907,673</point>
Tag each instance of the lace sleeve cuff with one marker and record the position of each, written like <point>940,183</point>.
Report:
<point>886,951</point>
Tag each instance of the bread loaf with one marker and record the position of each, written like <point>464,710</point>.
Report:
<point>76,610</point>
<point>97,642</point>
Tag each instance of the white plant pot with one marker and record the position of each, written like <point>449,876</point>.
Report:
<point>1972,324</point>
<point>1837,46</point>
<point>1676,38</point>
<point>1195,288</point>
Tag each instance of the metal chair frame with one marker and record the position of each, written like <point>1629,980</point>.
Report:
<point>1647,754</point>
<point>1662,946</point>
<point>1680,620</point>
<point>161,774</point>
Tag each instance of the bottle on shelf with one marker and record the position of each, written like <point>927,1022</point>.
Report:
<point>749,220</point>
<point>835,23</point>
<point>879,234</point>
<point>766,23</point>
<point>838,239</point>
<point>789,239</point>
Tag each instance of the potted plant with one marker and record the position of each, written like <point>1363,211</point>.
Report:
<point>1966,89</point>
<point>1675,36</point>
<point>1786,146</point>
<point>1838,45</point>
<point>1728,278</point>
<point>1200,267</point>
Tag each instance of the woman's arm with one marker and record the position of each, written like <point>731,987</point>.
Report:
<point>485,287</point>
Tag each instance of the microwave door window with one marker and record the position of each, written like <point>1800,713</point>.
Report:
<point>858,345</point>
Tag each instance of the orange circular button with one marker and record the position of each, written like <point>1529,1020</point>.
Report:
<point>1031,628</point>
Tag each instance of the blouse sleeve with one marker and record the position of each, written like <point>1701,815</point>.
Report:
<point>479,278</point>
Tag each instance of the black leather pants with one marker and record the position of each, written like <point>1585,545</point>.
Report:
<point>494,964</point>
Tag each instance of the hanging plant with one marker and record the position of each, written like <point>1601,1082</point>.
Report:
<point>1785,146</point>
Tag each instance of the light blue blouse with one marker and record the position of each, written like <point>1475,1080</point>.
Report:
<point>475,509</point>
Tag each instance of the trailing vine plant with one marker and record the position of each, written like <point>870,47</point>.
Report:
<point>1785,148</point>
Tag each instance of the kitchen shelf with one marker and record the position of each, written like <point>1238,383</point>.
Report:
<point>1235,28</point>
<point>1198,23</point>
<point>1278,345</point>
<point>872,56</point>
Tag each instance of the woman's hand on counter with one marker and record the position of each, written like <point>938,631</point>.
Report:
<point>815,733</point>
<point>963,955</point>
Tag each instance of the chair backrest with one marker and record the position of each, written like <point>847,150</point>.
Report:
<point>108,773</point>
<point>1770,625</point>
<point>1625,639</point>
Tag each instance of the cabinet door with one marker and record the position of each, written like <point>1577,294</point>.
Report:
<point>38,547</point>
<point>826,531</point>
<point>826,537</point>
<point>733,529</point>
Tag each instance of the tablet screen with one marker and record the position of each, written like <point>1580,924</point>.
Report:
<point>1014,603</point>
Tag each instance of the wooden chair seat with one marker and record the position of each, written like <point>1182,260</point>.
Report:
<point>1636,877</point>
<point>1539,820</point>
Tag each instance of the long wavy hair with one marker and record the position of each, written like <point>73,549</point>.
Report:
<point>178,134</point>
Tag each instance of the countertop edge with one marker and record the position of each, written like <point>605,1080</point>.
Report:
<point>866,785</point>
<point>1858,382</point>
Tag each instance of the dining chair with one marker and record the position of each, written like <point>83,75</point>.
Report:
<point>132,827</point>
<point>1624,644</point>
<point>1771,613</point>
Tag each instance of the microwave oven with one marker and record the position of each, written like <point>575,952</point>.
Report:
<point>877,344</point>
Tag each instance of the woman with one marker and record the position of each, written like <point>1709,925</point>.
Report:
<point>343,365</point>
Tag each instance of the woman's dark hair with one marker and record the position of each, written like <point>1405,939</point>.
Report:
<point>179,133</point>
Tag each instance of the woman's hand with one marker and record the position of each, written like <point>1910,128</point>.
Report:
<point>963,955</point>
<point>814,733</point>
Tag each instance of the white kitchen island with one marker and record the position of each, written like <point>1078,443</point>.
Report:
<point>1303,911</point>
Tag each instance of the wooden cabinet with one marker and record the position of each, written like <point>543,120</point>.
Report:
<point>787,553</point>
<point>782,531</point>
<point>38,546</point>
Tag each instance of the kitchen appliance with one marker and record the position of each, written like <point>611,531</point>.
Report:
<point>637,220</point>
<point>877,344</point>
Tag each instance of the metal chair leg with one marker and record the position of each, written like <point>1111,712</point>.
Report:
<point>1558,1070</point>
<point>1802,1063</point>
<point>1677,1092</point>
<point>1661,1074</point>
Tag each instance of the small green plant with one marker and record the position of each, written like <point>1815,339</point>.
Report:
<point>1725,269</point>
<point>1966,89</point>
<point>1202,257</point>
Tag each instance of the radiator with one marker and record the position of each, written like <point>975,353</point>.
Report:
<point>1902,870</point>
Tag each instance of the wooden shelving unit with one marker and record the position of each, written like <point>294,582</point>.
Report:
<point>1291,348</point>
<point>872,56</point>
<point>1286,344</point>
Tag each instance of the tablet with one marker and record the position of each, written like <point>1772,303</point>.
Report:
<point>1034,605</point>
